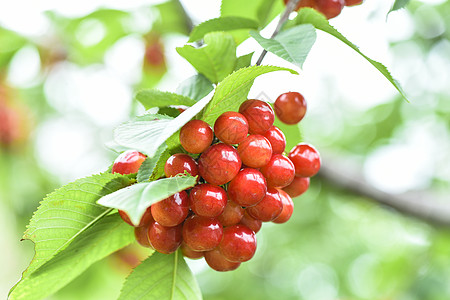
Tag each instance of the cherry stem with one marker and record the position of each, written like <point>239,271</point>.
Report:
<point>283,19</point>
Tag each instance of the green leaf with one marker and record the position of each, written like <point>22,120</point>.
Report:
<point>268,10</point>
<point>216,59</point>
<point>311,16</point>
<point>398,4</point>
<point>233,90</point>
<point>244,61</point>
<point>107,236</point>
<point>155,98</point>
<point>221,24</point>
<point>153,167</point>
<point>196,87</point>
<point>161,276</point>
<point>172,18</point>
<point>137,198</point>
<point>292,45</point>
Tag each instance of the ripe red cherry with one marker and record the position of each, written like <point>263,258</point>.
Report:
<point>145,220</point>
<point>290,107</point>
<point>164,239</point>
<point>154,54</point>
<point>306,160</point>
<point>259,115</point>
<point>288,208</point>
<point>140,233</point>
<point>196,136</point>
<point>231,127</point>
<point>202,234</point>
<point>251,222</point>
<point>238,243</point>
<point>330,8</point>
<point>178,163</point>
<point>219,164</point>
<point>269,208</point>
<point>208,200</point>
<point>279,172</point>
<point>255,151</point>
<point>188,252</point>
<point>232,214</point>
<point>248,187</point>
<point>276,138</point>
<point>171,211</point>
<point>218,262</point>
<point>128,162</point>
<point>298,186</point>
<point>353,2</point>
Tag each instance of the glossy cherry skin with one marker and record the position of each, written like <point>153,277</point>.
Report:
<point>330,8</point>
<point>146,219</point>
<point>196,136</point>
<point>231,127</point>
<point>255,151</point>
<point>297,187</point>
<point>202,234</point>
<point>268,208</point>
<point>188,252</point>
<point>178,163</point>
<point>218,262</point>
<point>140,233</point>
<point>248,187</point>
<point>277,139</point>
<point>219,164</point>
<point>238,243</point>
<point>232,214</point>
<point>290,107</point>
<point>251,222</point>
<point>353,2</point>
<point>259,115</point>
<point>288,208</point>
<point>165,239</point>
<point>279,172</point>
<point>207,200</point>
<point>128,162</point>
<point>171,211</point>
<point>306,160</point>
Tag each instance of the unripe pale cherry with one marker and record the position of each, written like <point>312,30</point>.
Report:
<point>306,160</point>
<point>196,136</point>
<point>171,211</point>
<point>201,233</point>
<point>290,107</point>
<point>268,208</point>
<point>277,139</point>
<point>178,163</point>
<point>255,151</point>
<point>288,208</point>
<point>304,3</point>
<point>207,200</point>
<point>231,127</point>
<point>259,115</point>
<point>140,233</point>
<point>248,187</point>
<point>218,262</point>
<point>238,243</point>
<point>297,187</point>
<point>165,239</point>
<point>128,162</point>
<point>219,164</point>
<point>279,172</point>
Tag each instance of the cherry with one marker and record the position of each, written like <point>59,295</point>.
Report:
<point>196,136</point>
<point>178,163</point>
<point>279,172</point>
<point>269,208</point>
<point>290,107</point>
<point>276,138</point>
<point>208,200</point>
<point>171,211</point>
<point>259,115</point>
<point>298,186</point>
<point>306,160</point>
<point>330,8</point>
<point>255,151</point>
<point>188,252</point>
<point>353,2</point>
<point>140,233</point>
<point>154,54</point>
<point>232,214</point>
<point>201,233</point>
<point>128,162</point>
<point>218,262</point>
<point>288,208</point>
<point>304,3</point>
<point>219,164</point>
<point>165,239</point>
<point>248,187</point>
<point>231,127</point>
<point>238,243</point>
<point>251,222</point>
<point>145,220</point>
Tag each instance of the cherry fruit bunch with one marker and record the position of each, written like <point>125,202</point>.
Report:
<point>330,8</point>
<point>244,180</point>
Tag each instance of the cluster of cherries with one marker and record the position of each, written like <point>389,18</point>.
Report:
<point>244,180</point>
<point>330,8</point>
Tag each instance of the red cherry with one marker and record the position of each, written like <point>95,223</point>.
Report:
<point>232,214</point>
<point>188,252</point>
<point>251,222</point>
<point>259,115</point>
<point>154,55</point>
<point>178,163</point>
<point>255,151</point>
<point>171,211</point>
<point>196,136</point>
<point>353,2</point>
<point>306,160</point>
<point>202,234</point>
<point>164,239</point>
<point>231,127</point>
<point>248,187</point>
<point>208,200</point>
<point>330,8</point>
<point>219,164</point>
<point>140,233</point>
<point>290,107</point>
<point>146,219</point>
<point>128,162</point>
<point>238,243</point>
<point>276,138</point>
<point>297,187</point>
<point>269,208</point>
<point>288,208</point>
<point>218,262</point>
<point>279,172</point>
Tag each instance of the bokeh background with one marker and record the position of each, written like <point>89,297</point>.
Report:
<point>68,72</point>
